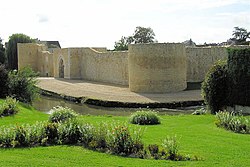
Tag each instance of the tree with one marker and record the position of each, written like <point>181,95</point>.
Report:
<point>22,85</point>
<point>12,49</point>
<point>240,35</point>
<point>122,44</point>
<point>2,53</point>
<point>141,35</point>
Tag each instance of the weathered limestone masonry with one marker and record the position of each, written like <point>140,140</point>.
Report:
<point>37,57</point>
<point>156,68</point>
<point>95,64</point>
<point>200,59</point>
<point>151,68</point>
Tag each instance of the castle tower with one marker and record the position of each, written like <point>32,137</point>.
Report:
<point>157,68</point>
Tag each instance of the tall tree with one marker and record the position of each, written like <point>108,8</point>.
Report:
<point>12,49</point>
<point>240,35</point>
<point>2,53</point>
<point>141,35</point>
<point>122,44</point>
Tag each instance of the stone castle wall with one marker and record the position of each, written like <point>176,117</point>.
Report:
<point>159,67</point>
<point>95,64</point>
<point>200,59</point>
<point>35,56</point>
<point>155,68</point>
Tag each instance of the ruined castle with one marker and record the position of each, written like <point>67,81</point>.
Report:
<point>150,68</point>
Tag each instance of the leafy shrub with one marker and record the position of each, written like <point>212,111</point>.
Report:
<point>154,150</point>
<point>239,76</point>
<point>22,85</point>
<point>51,134</point>
<point>69,132</point>
<point>145,118</point>
<point>9,107</point>
<point>61,114</point>
<point>214,87</point>
<point>123,141</point>
<point>233,122</point>
<point>87,134</point>
<point>99,135</point>
<point>21,138</point>
<point>37,133</point>
<point>7,136</point>
<point>3,81</point>
<point>171,145</point>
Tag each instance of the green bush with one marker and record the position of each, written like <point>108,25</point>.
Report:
<point>51,133</point>
<point>215,87</point>
<point>144,118</point>
<point>22,85</point>
<point>87,134</point>
<point>232,121</point>
<point>239,76</point>
<point>69,132</point>
<point>61,114</point>
<point>3,81</point>
<point>98,137</point>
<point>123,141</point>
<point>9,107</point>
<point>7,136</point>
<point>171,145</point>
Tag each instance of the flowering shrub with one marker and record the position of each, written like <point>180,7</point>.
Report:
<point>122,142</point>
<point>61,114</point>
<point>9,107</point>
<point>145,118</point>
<point>233,122</point>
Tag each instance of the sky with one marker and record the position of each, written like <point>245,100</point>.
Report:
<point>99,23</point>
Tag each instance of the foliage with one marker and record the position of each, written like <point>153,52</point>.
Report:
<point>240,35</point>
<point>123,43</point>
<point>61,114</point>
<point>124,141</point>
<point>141,35</point>
<point>171,145</point>
<point>169,152</point>
<point>207,143</point>
<point>22,85</point>
<point>200,111</point>
<point>232,121</point>
<point>69,132</point>
<point>239,76</point>
<point>98,136</point>
<point>214,87</point>
<point>3,81</point>
<point>9,107</point>
<point>12,49</point>
<point>145,118</point>
<point>154,151</point>
<point>2,53</point>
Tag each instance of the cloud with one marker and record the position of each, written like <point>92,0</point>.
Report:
<point>42,18</point>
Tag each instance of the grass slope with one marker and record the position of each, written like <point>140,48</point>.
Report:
<point>198,135</point>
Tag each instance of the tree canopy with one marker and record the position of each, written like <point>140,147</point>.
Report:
<point>240,35</point>
<point>12,48</point>
<point>141,35</point>
<point>2,53</point>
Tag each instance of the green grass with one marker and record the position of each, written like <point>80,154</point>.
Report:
<point>197,135</point>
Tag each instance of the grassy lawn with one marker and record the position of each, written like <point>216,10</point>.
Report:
<point>197,135</point>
